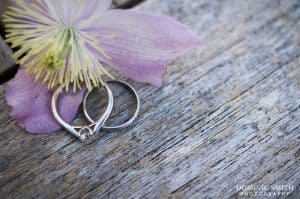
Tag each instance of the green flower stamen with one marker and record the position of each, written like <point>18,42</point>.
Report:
<point>56,57</point>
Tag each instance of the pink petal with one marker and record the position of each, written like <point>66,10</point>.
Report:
<point>101,4</point>
<point>66,11</point>
<point>31,104</point>
<point>84,11</point>
<point>143,44</point>
<point>72,11</point>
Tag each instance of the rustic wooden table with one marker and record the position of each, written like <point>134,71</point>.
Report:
<point>227,116</point>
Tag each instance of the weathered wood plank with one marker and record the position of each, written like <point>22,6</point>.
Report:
<point>180,161</point>
<point>7,63</point>
<point>126,3</point>
<point>227,115</point>
<point>2,8</point>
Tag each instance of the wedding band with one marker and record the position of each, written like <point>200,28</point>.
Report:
<point>83,132</point>
<point>124,125</point>
<point>87,131</point>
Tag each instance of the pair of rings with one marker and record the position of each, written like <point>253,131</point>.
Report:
<point>87,131</point>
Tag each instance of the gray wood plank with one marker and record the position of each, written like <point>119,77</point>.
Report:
<point>126,3</point>
<point>2,8</point>
<point>228,114</point>
<point>7,63</point>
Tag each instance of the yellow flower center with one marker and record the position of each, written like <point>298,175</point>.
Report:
<point>52,61</point>
<point>59,50</point>
<point>53,51</point>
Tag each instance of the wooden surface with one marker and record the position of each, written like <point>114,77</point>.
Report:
<point>227,115</point>
<point>126,3</point>
<point>7,63</point>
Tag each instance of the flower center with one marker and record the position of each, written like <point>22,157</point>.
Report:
<point>59,49</point>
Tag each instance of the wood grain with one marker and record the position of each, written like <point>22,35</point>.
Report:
<point>227,115</point>
<point>7,63</point>
<point>126,3</point>
<point>2,8</point>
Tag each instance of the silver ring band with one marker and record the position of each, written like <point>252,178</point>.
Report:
<point>83,132</point>
<point>124,125</point>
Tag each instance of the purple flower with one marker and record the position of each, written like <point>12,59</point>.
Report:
<point>66,42</point>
